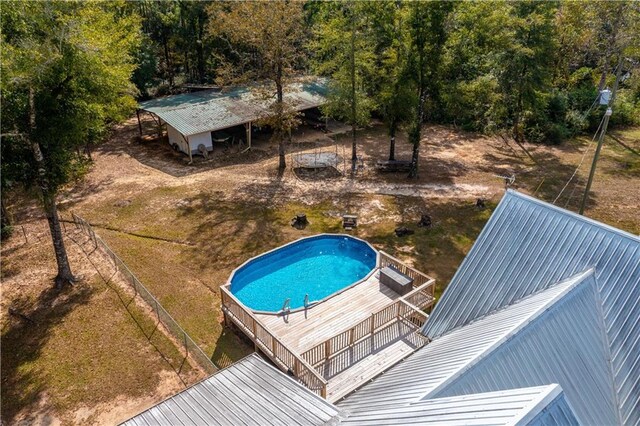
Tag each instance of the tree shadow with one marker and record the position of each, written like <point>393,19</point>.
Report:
<point>23,341</point>
<point>231,231</point>
<point>436,163</point>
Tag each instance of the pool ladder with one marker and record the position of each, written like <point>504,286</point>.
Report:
<point>286,306</point>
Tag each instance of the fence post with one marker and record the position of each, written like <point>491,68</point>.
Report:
<point>186,346</point>
<point>327,348</point>
<point>26,241</point>
<point>157,309</point>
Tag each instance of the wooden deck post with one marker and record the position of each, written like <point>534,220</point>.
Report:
<point>255,335</point>
<point>373,323</point>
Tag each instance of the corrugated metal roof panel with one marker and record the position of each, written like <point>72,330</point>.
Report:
<point>565,344</point>
<point>210,110</point>
<point>514,406</point>
<point>556,413</point>
<point>442,360</point>
<point>526,246</point>
<point>250,392</point>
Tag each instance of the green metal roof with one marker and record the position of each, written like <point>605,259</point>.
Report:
<point>210,110</point>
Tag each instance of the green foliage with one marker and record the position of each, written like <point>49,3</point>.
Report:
<point>343,50</point>
<point>77,59</point>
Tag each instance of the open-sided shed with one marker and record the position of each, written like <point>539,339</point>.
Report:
<point>191,118</point>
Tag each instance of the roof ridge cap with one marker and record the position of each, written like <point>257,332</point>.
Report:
<point>581,218</point>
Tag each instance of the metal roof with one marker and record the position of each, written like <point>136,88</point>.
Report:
<point>510,407</point>
<point>526,246</point>
<point>557,413</point>
<point>211,110</point>
<point>429,370</point>
<point>250,392</point>
<point>565,344</point>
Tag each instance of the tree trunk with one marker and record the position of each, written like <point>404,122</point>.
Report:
<point>49,199</point>
<point>354,154</point>
<point>416,135</point>
<point>282,163</point>
<point>64,270</point>
<point>392,143</point>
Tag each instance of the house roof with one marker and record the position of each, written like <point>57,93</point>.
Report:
<point>511,407</point>
<point>526,246</point>
<point>211,110</point>
<point>500,352</point>
<point>250,392</point>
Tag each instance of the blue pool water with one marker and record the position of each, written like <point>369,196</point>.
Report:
<point>317,266</point>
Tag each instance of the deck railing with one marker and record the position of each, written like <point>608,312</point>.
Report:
<point>270,345</point>
<point>407,308</point>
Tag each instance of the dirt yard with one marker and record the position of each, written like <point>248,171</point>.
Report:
<point>183,227</point>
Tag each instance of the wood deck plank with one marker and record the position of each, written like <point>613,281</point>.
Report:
<point>306,329</point>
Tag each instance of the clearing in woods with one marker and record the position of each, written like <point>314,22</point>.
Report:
<point>182,228</point>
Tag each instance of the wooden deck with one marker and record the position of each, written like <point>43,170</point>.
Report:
<point>305,329</point>
<point>337,345</point>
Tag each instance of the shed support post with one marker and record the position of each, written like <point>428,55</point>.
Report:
<point>139,124</point>
<point>248,128</point>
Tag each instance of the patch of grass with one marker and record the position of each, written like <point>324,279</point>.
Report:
<point>83,349</point>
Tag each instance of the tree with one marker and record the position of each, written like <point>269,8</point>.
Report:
<point>65,76</point>
<point>428,35</point>
<point>527,62</point>
<point>343,51</point>
<point>266,41</point>
<point>393,88</point>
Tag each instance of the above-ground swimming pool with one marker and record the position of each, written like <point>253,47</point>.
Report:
<point>316,267</point>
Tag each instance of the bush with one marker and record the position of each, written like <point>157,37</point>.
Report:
<point>625,111</point>
<point>555,134</point>
<point>6,231</point>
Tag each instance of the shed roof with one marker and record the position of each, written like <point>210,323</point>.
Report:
<point>250,392</point>
<point>211,110</point>
<point>526,246</point>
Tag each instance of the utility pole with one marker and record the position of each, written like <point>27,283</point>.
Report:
<point>605,123</point>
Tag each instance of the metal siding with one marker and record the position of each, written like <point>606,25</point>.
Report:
<point>250,392</point>
<point>564,345</point>
<point>526,246</point>
<point>440,361</point>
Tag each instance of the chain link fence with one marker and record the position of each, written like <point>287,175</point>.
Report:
<point>191,349</point>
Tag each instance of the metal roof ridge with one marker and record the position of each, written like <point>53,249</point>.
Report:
<point>591,221</point>
<point>577,278</point>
